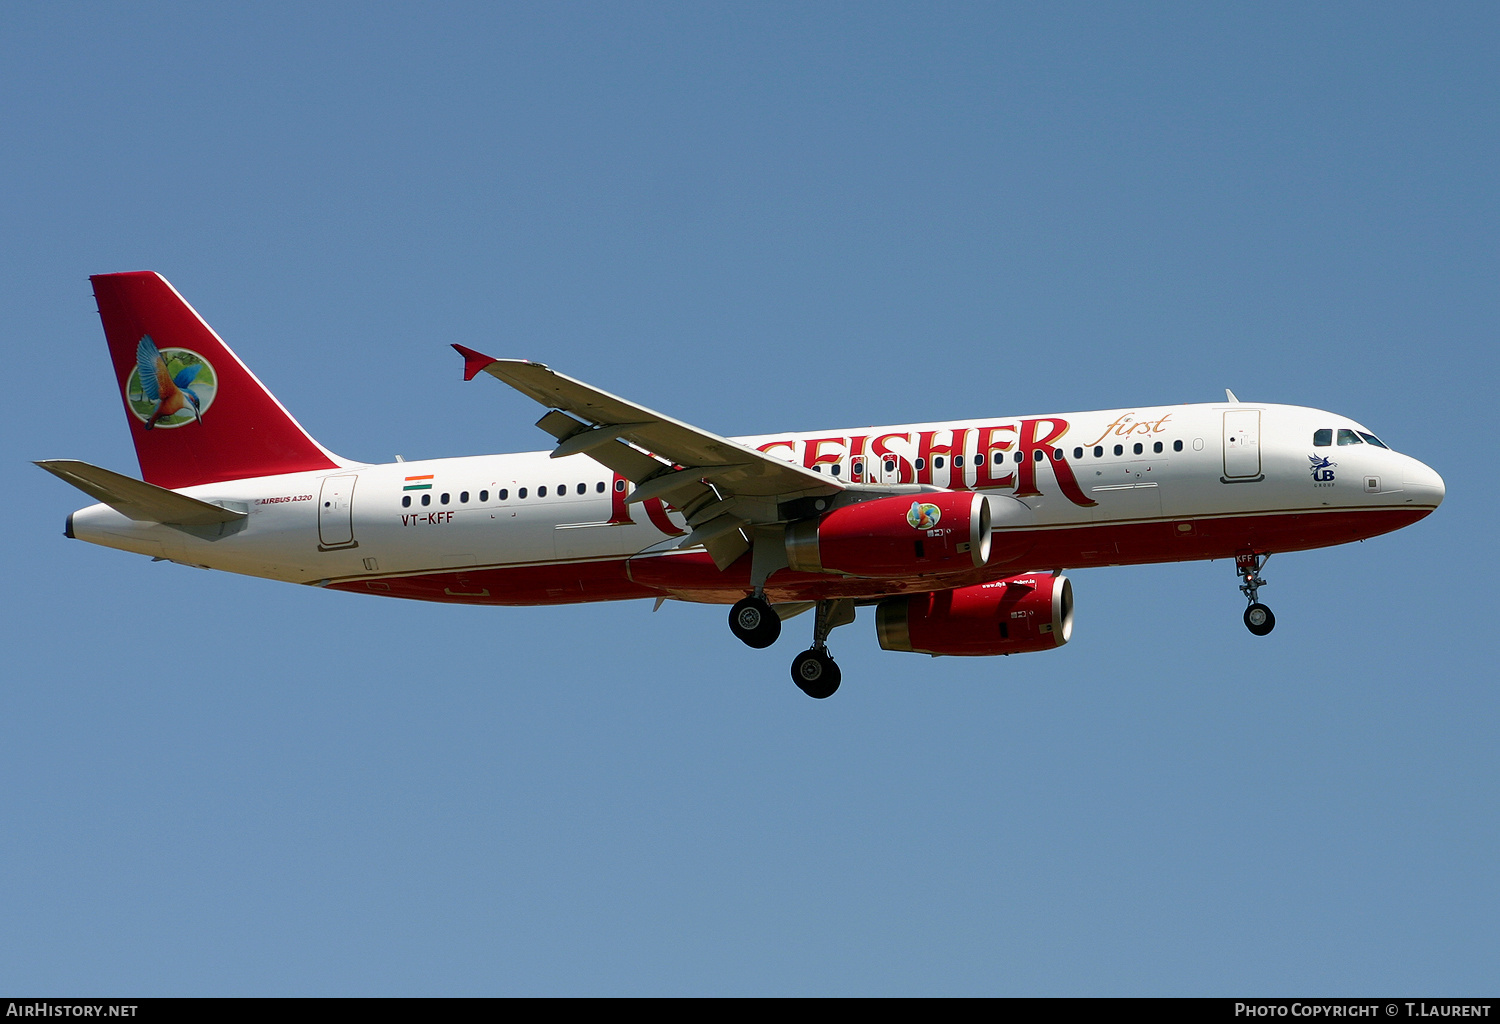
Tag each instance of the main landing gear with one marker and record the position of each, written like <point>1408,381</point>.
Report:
<point>1258,618</point>
<point>814,670</point>
<point>756,623</point>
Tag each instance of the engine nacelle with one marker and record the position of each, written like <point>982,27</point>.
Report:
<point>918,535</point>
<point>1032,612</point>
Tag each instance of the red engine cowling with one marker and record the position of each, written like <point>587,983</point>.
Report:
<point>897,536</point>
<point>1033,612</point>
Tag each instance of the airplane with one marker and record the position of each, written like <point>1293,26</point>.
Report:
<point>958,532</point>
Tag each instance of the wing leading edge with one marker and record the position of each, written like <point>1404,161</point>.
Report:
<point>724,488</point>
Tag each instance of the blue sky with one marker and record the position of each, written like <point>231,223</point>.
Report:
<point>756,217</point>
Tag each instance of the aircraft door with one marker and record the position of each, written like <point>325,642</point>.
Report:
<point>1241,445</point>
<point>883,469</point>
<point>336,513</point>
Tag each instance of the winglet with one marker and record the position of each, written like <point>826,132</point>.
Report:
<point>1230,395</point>
<point>474,362</point>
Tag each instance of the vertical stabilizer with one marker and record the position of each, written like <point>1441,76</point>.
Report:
<point>196,413</point>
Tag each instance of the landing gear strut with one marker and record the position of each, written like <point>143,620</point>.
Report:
<point>1258,618</point>
<point>755,622</point>
<point>814,670</point>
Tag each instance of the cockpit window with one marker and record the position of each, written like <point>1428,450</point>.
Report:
<point>1372,439</point>
<point>1348,437</point>
<point>1323,438</point>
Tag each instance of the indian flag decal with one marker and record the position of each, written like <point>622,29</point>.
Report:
<point>418,483</point>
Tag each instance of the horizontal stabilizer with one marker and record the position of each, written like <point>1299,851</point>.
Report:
<point>136,499</point>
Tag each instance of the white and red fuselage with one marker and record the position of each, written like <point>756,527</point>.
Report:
<point>960,530</point>
<point>1189,482</point>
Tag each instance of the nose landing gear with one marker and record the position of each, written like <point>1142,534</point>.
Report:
<point>814,670</point>
<point>1258,618</point>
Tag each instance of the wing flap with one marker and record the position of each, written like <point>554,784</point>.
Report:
<point>609,451</point>
<point>726,549</point>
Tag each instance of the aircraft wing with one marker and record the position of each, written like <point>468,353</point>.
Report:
<point>722,486</point>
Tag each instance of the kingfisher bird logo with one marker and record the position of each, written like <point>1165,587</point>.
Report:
<point>923,515</point>
<point>169,388</point>
<point>1322,468</point>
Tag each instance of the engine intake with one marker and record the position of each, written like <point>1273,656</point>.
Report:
<point>1031,612</point>
<point>919,535</point>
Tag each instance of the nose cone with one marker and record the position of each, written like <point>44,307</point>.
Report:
<point>1423,485</point>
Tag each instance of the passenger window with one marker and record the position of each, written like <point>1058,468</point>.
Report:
<point>562,490</point>
<point>1372,439</point>
<point>1057,455</point>
<point>406,501</point>
<point>1323,438</point>
<point>484,495</point>
<point>1020,457</point>
<point>890,466</point>
<point>858,469</point>
<point>619,485</point>
<point>1348,437</point>
<point>599,487</point>
<point>1077,453</point>
<point>583,488</point>
<point>444,498</point>
<point>541,492</point>
<point>834,469</point>
<point>427,499</point>
<point>1038,455</point>
<point>521,493</point>
<point>958,461</point>
<point>504,494</point>
<point>920,463</point>
<point>1177,446</point>
<point>1139,448</point>
<point>999,458</point>
<point>1098,451</point>
<point>1156,448</point>
<point>937,463</point>
<point>463,497</point>
<point>1119,449</point>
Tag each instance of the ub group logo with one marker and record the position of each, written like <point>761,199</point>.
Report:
<point>923,515</point>
<point>1322,469</point>
<point>169,388</point>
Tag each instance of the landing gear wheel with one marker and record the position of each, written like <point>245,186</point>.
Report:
<point>815,674</point>
<point>755,622</point>
<point>1259,620</point>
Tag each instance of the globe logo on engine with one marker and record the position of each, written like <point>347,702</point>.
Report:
<point>923,515</point>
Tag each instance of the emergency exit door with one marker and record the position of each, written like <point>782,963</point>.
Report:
<point>1241,445</point>
<point>336,512</point>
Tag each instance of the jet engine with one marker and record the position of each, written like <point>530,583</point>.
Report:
<point>915,535</point>
<point>1032,612</point>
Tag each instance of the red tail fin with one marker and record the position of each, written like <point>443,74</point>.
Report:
<point>197,414</point>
